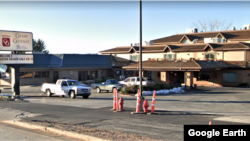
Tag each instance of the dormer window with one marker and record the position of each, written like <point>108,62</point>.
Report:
<point>169,56</point>
<point>134,57</point>
<point>209,56</point>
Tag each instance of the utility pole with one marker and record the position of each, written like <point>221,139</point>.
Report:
<point>140,60</point>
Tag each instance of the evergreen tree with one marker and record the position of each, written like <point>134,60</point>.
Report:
<point>39,46</point>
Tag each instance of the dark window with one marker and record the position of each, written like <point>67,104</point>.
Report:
<point>82,75</point>
<point>210,56</point>
<point>132,79</point>
<point>229,77</point>
<point>203,76</point>
<point>118,72</point>
<point>41,74</point>
<point>149,74</point>
<point>38,74</point>
<point>45,74</point>
<point>128,73</point>
<point>26,74</point>
<point>93,75</point>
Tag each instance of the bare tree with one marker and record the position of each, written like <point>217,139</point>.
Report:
<point>212,25</point>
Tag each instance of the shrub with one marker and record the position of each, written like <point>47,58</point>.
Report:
<point>243,85</point>
<point>129,89</point>
<point>108,78</point>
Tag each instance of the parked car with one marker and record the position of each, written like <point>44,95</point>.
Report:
<point>107,86</point>
<point>66,87</point>
<point>134,81</point>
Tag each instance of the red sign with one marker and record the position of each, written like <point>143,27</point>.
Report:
<point>6,42</point>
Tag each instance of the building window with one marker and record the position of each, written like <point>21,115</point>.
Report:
<point>93,75</point>
<point>128,73</point>
<point>203,76</point>
<point>210,56</point>
<point>26,74</point>
<point>41,74</point>
<point>169,56</point>
<point>134,57</point>
<point>118,72</point>
<point>229,77</point>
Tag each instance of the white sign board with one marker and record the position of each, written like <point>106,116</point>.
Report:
<point>15,41</point>
<point>16,59</point>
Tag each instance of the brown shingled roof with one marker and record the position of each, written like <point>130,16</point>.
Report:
<point>190,64</point>
<point>117,49</point>
<point>230,35</point>
<point>229,46</point>
<point>236,64</point>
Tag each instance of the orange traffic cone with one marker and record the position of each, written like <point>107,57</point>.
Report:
<point>117,104</point>
<point>210,122</point>
<point>138,102</point>
<point>114,101</point>
<point>153,105</point>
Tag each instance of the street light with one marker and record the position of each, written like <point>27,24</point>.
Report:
<point>140,60</point>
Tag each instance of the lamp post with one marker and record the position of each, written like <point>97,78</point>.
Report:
<point>140,60</point>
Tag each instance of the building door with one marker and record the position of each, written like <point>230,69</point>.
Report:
<point>82,75</point>
<point>55,76</point>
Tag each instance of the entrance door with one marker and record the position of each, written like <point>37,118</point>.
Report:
<point>82,75</point>
<point>55,76</point>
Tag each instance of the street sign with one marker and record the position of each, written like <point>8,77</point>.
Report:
<point>16,59</point>
<point>15,41</point>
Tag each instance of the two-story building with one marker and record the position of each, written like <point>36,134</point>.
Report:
<point>218,58</point>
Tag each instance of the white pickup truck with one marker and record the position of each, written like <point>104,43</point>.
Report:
<point>134,81</point>
<point>66,87</point>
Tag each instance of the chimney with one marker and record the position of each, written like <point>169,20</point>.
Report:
<point>233,28</point>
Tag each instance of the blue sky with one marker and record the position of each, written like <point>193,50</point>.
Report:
<point>88,27</point>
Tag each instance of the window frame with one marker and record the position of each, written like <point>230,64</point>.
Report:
<point>131,56</point>
<point>209,56</point>
<point>165,56</point>
<point>230,78</point>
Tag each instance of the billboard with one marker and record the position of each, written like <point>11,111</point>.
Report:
<point>16,59</point>
<point>15,41</point>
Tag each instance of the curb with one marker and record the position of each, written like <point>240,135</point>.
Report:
<point>53,130</point>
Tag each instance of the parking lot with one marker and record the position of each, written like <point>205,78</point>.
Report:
<point>230,102</point>
<point>227,105</point>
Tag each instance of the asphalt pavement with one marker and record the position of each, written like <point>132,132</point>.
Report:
<point>175,110</point>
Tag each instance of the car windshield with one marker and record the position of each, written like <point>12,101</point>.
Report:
<point>73,83</point>
<point>113,81</point>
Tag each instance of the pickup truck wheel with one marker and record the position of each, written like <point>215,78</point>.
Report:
<point>72,94</point>
<point>48,93</point>
<point>98,90</point>
<point>85,97</point>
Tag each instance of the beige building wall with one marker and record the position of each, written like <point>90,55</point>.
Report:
<point>248,56</point>
<point>200,56</point>
<point>219,55</point>
<point>185,56</point>
<point>125,56</point>
<point>234,56</point>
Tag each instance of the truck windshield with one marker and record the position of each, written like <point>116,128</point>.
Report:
<point>73,83</point>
